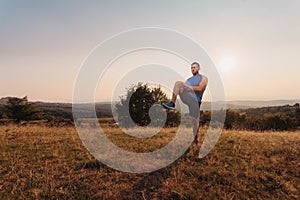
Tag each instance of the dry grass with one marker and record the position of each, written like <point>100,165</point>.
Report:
<point>38,162</point>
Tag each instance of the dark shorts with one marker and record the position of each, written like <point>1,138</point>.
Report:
<point>193,104</point>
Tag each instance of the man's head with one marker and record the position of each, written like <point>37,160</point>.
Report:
<point>195,67</point>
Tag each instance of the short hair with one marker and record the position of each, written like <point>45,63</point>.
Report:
<point>195,63</point>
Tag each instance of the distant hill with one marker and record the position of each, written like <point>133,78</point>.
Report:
<point>257,104</point>
<point>103,109</point>
<point>244,104</point>
<point>64,110</point>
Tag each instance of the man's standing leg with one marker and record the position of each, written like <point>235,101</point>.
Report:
<point>194,112</point>
<point>195,122</point>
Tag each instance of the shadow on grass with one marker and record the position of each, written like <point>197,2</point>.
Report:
<point>150,184</point>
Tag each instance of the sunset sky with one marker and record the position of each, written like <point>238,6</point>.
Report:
<point>254,44</point>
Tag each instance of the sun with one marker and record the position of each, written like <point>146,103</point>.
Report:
<point>227,62</point>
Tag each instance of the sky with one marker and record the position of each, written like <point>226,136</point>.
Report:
<point>255,45</point>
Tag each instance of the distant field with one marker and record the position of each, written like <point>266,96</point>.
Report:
<point>39,162</point>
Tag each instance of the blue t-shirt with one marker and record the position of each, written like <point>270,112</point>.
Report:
<point>195,81</point>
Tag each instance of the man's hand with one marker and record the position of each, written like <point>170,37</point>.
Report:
<point>187,86</point>
<point>201,86</point>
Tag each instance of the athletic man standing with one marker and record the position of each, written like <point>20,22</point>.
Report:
<point>190,92</point>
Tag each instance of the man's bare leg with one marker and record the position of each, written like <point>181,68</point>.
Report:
<point>195,122</point>
<point>178,88</point>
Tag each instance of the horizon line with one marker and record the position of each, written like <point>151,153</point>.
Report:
<point>110,101</point>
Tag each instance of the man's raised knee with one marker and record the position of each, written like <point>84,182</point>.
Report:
<point>179,83</point>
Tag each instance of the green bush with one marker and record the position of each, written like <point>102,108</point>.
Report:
<point>139,99</point>
<point>19,109</point>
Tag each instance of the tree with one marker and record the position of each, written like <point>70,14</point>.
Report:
<point>232,120</point>
<point>1,112</point>
<point>298,115</point>
<point>19,109</point>
<point>205,117</point>
<point>133,108</point>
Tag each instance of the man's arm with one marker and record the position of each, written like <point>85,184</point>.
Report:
<point>202,85</point>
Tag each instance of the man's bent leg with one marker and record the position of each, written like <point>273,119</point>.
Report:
<point>178,88</point>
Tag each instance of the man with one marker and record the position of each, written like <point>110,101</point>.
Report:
<point>190,92</point>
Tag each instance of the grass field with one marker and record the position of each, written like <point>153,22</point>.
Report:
<point>39,162</point>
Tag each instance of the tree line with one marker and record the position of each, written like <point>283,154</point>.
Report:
<point>277,118</point>
<point>137,107</point>
<point>141,97</point>
<point>20,110</point>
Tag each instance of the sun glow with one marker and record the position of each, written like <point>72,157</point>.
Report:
<point>226,63</point>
